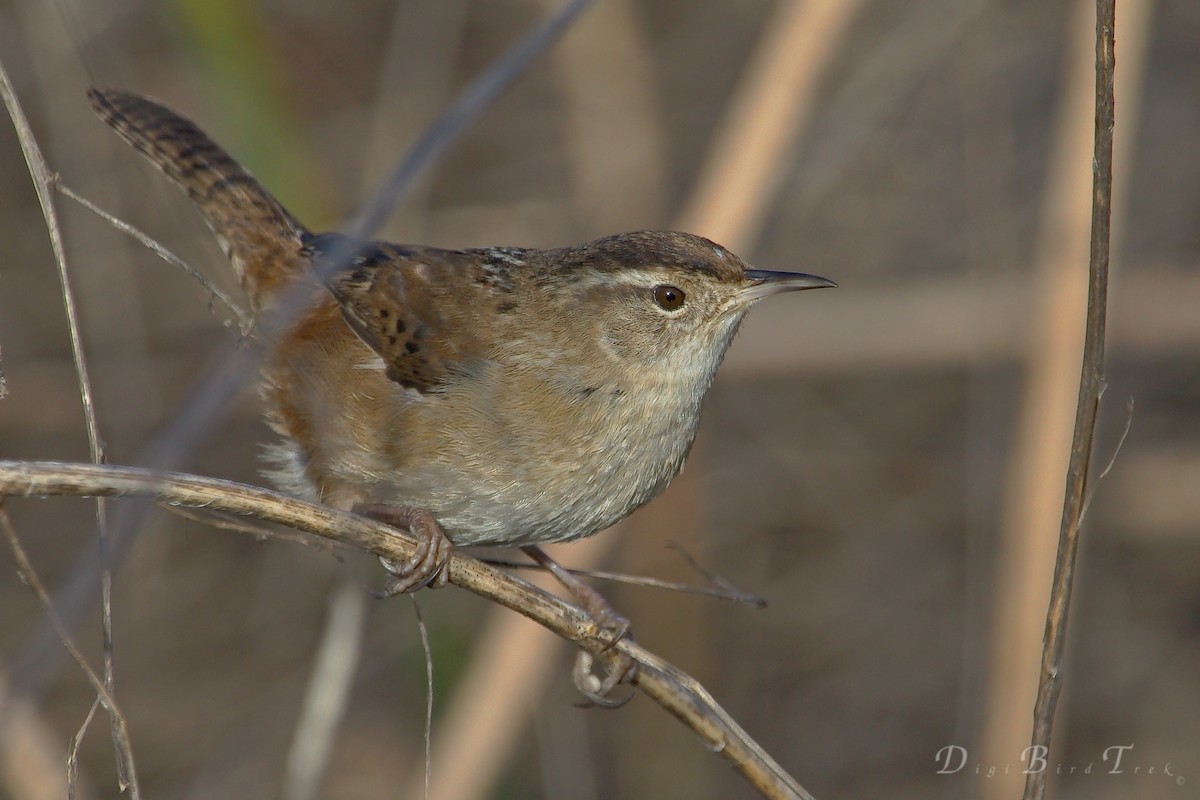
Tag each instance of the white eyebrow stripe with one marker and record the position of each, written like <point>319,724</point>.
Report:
<point>644,278</point>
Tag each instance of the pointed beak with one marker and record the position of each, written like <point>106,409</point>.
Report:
<point>764,282</point>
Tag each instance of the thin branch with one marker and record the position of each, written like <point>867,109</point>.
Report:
<point>1090,387</point>
<point>724,592</point>
<point>227,523</point>
<point>76,743</point>
<point>732,592</point>
<point>215,294</point>
<point>43,182</point>
<point>1112,461</point>
<point>27,573</point>
<point>668,686</point>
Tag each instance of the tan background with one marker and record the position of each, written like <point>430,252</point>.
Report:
<point>856,461</point>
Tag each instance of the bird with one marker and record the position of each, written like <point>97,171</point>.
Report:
<point>506,396</point>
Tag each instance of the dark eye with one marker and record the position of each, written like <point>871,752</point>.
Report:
<point>669,297</point>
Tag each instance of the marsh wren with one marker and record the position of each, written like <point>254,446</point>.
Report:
<point>494,396</point>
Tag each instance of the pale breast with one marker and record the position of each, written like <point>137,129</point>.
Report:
<point>525,460</point>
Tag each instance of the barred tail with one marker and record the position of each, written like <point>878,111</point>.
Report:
<point>256,232</point>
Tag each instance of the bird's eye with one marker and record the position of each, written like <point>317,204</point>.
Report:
<point>669,298</point>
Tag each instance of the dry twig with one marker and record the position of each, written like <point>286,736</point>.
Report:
<point>245,323</point>
<point>1090,387</point>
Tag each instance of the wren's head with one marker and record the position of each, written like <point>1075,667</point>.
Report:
<point>670,299</point>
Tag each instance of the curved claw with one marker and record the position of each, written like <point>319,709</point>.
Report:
<point>597,691</point>
<point>617,626</point>
<point>427,566</point>
<point>619,668</point>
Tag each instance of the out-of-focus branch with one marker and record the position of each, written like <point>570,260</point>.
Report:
<point>770,107</point>
<point>674,690</point>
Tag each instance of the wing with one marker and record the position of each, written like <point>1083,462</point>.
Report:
<point>401,302</point>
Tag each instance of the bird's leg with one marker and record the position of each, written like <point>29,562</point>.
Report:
<point>427,567</point>
<point>621,668</point>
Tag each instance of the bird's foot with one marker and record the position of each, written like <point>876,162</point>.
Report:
<point>426,567</point>
<point>618,667</point>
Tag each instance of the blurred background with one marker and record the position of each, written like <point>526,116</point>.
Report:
<point>884,463</point>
